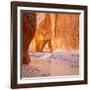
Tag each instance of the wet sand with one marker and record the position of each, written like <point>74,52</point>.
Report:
<point>54,67</point>
<point>52,64</point>
<point>42,68</point>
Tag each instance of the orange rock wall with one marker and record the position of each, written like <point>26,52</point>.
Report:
<point>67,31</point>
<point>64,31</point>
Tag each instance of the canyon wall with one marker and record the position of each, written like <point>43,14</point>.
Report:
<point>28,31</point>
<point>64,28</point>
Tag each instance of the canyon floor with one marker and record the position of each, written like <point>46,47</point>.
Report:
<point>62,63</point>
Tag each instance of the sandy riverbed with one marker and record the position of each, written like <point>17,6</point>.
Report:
<point>69,65</point>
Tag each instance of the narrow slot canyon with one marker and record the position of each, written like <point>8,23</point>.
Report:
<point>50,44</point>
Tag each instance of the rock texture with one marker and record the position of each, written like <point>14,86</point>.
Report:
<point>49,32</point>
<point>28,29</point>
<point>64,31</point>
<point>67,31</point>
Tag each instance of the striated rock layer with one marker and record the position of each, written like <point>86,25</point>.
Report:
<point>64,31</point>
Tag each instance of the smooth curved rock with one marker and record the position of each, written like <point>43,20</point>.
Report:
<point>28,29</point>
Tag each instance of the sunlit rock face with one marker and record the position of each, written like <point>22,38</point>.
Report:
<point>67,31</point>
<point>64,31</point>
